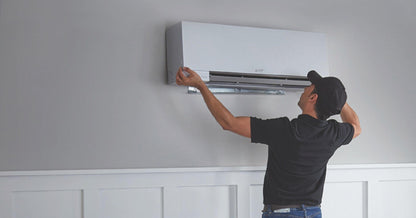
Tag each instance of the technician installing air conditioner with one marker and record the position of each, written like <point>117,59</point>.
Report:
<point>298,149</point>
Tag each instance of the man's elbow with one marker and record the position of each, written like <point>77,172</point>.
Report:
<point>228,124</point>
<point>226,128</point>
<point>357,130</point>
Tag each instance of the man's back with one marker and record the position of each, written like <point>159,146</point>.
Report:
<point>298,152</point>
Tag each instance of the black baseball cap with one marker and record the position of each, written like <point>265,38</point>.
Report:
<point>331,93</point>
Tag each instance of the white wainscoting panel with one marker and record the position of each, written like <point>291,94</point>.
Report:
<point>131,202</point>
<point>340,197</point>
<point>398,199</point>
<point>359,191</point>
<point>256,200</point>
<point>47,204</point>
<point>208,201</point>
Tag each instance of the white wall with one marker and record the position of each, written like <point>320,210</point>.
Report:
<point>83,82</point>
<point>365,191</point>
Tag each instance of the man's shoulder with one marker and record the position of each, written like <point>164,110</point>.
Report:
<point>276,119</point>
<point>336,123</point>
<point>270,123</point>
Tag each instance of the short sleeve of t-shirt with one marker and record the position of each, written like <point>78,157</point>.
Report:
<point>345,133</point>
<point>265,131</point>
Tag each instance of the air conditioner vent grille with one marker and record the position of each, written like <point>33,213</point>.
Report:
<point>257,81</point>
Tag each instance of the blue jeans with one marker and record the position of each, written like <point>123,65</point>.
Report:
<point>304,212</point>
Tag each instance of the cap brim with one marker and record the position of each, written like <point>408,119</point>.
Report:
<point>314,77</point>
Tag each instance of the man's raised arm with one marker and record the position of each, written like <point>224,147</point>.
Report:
<point>239,125</point>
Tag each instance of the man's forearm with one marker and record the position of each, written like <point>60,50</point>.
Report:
<point>217,109</point>
<point>348,115</point>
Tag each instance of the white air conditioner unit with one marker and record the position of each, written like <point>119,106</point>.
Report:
<point>237,59</point>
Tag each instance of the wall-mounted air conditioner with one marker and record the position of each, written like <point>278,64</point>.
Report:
<point>237,59</point>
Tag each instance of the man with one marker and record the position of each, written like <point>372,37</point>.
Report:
<point>298,149</point>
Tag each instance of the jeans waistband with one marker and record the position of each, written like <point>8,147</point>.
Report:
<point>295,206</point>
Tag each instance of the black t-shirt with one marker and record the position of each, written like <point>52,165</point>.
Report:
<point>298,153</point>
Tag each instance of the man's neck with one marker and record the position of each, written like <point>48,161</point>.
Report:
<point>311,113</point>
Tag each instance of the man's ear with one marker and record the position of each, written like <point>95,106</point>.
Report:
<point>313,98</point>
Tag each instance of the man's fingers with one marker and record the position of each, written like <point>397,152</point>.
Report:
<point>180,73</point>
<point>180,77</point>
<point>179,81</point>
<point>183,79</point>
<point>187,69</point>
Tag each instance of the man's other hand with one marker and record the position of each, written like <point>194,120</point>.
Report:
<point>193,79</point>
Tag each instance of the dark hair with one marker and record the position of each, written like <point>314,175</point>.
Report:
<point>317,110</point>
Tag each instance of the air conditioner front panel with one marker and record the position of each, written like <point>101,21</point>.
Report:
<point>215,47</point>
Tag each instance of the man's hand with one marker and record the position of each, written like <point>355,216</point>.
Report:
<point>193,79</point>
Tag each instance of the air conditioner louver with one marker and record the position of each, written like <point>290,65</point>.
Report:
<point>246,83</point>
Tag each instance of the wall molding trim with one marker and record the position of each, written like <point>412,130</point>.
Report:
<point>365,190</point>
<point>188,170</point>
